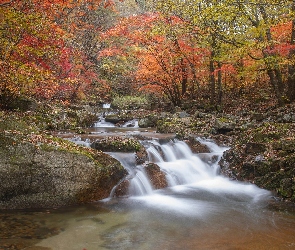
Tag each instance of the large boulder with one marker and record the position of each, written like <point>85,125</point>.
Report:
<point>37,175</point>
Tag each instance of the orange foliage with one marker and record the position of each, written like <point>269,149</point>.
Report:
<point>169,66</point>
<point>42,62</point>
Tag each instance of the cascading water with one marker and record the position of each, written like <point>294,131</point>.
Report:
<point>186,172</point>
<point>139,182</point>
<point>101,123</point>
<point>195,187</point>
<point>106,105</point>
<point>132,123</point>
<point>180,164</point>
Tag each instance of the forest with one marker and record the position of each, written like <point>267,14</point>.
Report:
<point>147,124</point>
<point>219,54</point>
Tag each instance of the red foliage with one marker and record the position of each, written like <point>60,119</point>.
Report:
<point>61,68</point>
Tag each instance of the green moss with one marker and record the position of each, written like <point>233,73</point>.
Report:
<point>223,120</point>
<point>127,102</point>
<point>119,144</point>
<point>285,189</point>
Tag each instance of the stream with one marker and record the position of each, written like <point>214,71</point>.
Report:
<point>200,209</point>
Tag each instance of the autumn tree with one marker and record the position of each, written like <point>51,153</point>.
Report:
<point>49,48</point>
<point>208,25</point>
<point>167,59</point>
<point>28,50</point>
<point>245,28</point>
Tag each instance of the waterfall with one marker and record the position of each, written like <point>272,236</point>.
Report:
<point>106,105</point>
<point>175,159</point>
<point>180,164</point>
<point>185,172</point>
<point>101,123</point>
<point>132,123</point>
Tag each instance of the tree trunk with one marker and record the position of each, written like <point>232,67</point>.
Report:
<point>275,85</point>
<point>219,84</point>
<point>184,79</point>
<point>273,70</point>
<point>212,80</point>
<point>291,83</point>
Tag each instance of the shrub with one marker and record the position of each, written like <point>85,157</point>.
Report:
<point>129,102</point>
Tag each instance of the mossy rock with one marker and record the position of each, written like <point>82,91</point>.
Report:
<point>117,144</point>
<point>270,181</point>
<point>172,125</point>
<point>286,188</point>
<point>156,176</point>
<point>53,174</point>
<point>148,121</point>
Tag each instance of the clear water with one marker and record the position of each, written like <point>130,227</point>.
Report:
<point>182,223</point>
<point>198,210</point>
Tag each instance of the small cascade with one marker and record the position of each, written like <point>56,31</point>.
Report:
<point>175,159</point>
<point>140,184</point>
<point>213,147</point>
<point>168,152</point>
<point>101,123</point>
<point>180,164</point>
<point>106,105</point>
<point>216,151</point>
<point>190,179</point>
<point>132,123</point>
<point>154,155</point>
<point>78,140</point>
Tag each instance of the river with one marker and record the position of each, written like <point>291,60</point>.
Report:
<point>200,209</point>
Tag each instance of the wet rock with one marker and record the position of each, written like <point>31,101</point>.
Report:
<point>148,121</point>
<point>288,117</point>
<point>122,188</point>
<point>114,118</point>
<point>196,146</point>
<point>274,174</point>
<point>199,114</point>
<point>37,177</point>
<point>182,114</point>
<point>141,156</point>
<point>156,176</point>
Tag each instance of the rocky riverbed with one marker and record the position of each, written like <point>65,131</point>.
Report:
<point>262,151</point>
<point>262,142</point>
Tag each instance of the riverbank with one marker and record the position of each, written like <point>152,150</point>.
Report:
<point>39,170</point>
<point>262,143</point>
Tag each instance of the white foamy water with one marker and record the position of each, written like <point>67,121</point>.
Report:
<point>194,186</point>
